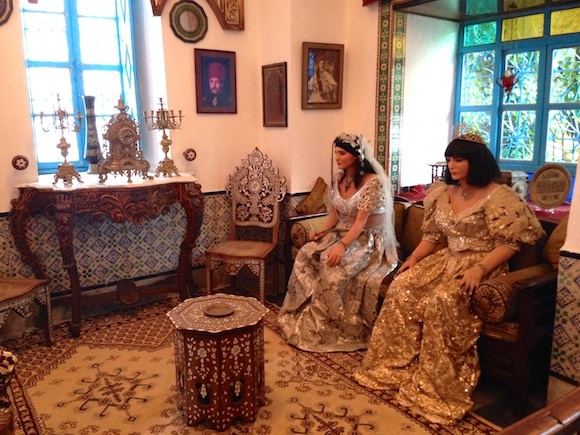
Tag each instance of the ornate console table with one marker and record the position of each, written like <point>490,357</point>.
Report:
<point>118,200</point>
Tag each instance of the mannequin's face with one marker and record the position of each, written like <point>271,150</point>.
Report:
<point>344,159</point>
<point>458,168</point>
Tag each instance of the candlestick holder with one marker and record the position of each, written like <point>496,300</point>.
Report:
<point>62,120</point>
<point>163,119</point>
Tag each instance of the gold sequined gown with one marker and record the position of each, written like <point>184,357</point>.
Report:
<point>424,340</point>
<point>330,309</point>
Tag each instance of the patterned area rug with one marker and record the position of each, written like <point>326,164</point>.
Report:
<point>119,378</point>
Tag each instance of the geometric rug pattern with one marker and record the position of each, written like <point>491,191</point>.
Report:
<point>118,378</point>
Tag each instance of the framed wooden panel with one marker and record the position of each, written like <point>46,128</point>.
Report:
<point>275,95</point>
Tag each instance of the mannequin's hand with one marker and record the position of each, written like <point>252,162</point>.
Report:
<point>471,278</point>
<point>336,255</point>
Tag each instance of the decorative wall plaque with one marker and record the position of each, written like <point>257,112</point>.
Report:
<point>550,186</point>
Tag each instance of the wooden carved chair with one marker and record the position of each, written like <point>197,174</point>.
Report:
<point>255,190</point>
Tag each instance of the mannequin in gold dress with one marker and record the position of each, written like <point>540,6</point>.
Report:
<point>423,344</point>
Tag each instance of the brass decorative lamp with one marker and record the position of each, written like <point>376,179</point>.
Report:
<point>164,119</point>
<point>61,120</point>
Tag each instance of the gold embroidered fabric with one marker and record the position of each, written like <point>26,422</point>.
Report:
<point>423,344</point>
<point>330,309</point>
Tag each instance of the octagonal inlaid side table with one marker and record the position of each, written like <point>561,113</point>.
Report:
<point>219,358</point>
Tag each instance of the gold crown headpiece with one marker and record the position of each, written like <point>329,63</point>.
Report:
<point>465,132</point>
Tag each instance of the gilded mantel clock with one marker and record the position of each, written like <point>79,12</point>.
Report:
<point>123,156</point>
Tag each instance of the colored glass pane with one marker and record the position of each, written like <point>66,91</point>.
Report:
<point>563,138</point>
<point>529,26</point>
<point>479,34</point>
<point>517,135</point>
<point>526,65</point>
<point>513,5</point>
<point>480,121</point>
<point>565,21</point>
<point>477,78</point>
<point>480,7</point>
<point>565,86</point>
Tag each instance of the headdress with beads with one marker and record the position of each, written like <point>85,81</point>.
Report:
<point>352,144</point>
<point>466,132</point>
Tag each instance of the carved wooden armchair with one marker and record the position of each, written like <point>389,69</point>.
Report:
<point>255,190</point>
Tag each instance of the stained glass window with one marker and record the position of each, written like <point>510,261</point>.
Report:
<point>565,22</point>
<point>534,118</point>
<point>479,34</point>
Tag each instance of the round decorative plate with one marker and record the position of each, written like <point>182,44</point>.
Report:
<point>218,310</point>
<point>188,21</point>
<point>190,154</point>
<point>550,186</point>
<point>5,10</point>
<point>20,162</point>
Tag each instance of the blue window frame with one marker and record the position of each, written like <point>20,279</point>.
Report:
<point>538,48</point>
<point>75,48</point>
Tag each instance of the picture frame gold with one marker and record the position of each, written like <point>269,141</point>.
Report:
<point>222,63</point>
<point>322,75</point>
<point>275,95</point>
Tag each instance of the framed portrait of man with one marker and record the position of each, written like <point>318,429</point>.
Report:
<point>215,81</point>
<point>322,71</point>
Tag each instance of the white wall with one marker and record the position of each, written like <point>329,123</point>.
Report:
<point>430,72</point>
<point>15,126</point>
<point>572,243</point>
<point>274,32</point>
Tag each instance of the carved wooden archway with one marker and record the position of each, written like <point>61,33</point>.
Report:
<point>230,13</point>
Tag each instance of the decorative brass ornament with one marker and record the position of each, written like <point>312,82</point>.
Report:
<point>123,157</point>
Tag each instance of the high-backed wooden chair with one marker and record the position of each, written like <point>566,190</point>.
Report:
<point>255,190</point>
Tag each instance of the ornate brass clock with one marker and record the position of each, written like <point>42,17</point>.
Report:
<point>123,157</point>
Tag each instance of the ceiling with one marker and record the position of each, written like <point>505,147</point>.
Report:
<point>452,9</point>
<point>444,9</point>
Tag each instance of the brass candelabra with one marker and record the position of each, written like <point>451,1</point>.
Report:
<point>163,119</point>
<point>63,121</point>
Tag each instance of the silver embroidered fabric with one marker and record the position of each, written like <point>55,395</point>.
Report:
<point>423,344</point>
<point>329,309</point>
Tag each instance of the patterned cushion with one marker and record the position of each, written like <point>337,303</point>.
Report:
<point>495,299</point>
<point>400,209</point>
<point>552,247</point>
<point>314,202</point>
<point>412,233</point>
<point>300,231</point>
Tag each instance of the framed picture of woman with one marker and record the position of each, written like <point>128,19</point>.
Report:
<point>322,71</point>
<point>215,81</point>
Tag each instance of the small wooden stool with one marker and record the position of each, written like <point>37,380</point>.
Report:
<point>18,294</point>
<point>219,358</point>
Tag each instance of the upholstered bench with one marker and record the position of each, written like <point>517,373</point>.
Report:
<point>517,308</point>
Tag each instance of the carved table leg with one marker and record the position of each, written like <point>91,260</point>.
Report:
<point>64,221</point>
<point>192,203</point>
<point>19,215</point>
